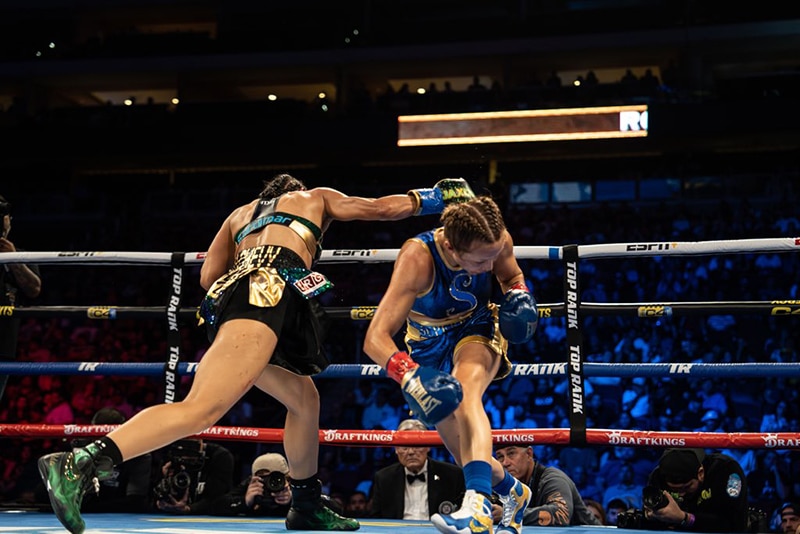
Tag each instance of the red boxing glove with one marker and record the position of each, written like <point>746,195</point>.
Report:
<point>398,365</point>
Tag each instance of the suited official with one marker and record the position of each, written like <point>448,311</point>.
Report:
<point>394,496</point>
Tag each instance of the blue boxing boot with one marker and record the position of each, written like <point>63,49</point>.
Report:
<point>514,505</point>
<point>473,517</point>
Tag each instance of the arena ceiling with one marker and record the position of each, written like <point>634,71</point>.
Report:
<point>94,52</point>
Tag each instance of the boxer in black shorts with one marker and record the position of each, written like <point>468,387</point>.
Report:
<point>301,323</point>
<point>260,286</point>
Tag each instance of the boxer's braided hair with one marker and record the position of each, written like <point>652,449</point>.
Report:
<point>280,184</point>
<point>476,220</point>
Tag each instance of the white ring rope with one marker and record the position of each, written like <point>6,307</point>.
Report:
<point>605,250</point>
<point>690,248</point>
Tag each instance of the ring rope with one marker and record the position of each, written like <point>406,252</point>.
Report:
<point>387,438</point>
<point>576,368</point>
<point>689,248</point>
<point>623,370</point>
<point>604,250</point>
<point>787,307</point>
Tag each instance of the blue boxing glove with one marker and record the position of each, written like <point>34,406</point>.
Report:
<point>431,394</point>
<point>519,315</point>
<point>433,200</point>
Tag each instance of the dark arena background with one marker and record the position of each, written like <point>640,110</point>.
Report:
<point>645,153</point>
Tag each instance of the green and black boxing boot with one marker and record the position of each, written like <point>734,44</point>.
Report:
<point>68,476</point>
<point>309,512</point>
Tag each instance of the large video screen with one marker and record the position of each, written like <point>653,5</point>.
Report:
<point>607,122</point>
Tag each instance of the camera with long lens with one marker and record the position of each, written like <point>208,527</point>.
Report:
<point>273,483</point>
<point>173,485</point>
<point>654,498</point>
<point>185,457</point>
<point>631,518</point>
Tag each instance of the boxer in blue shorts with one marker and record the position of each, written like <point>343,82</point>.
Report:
<point>258,309</point>
<point>440,289</point>
<point>433,342</point>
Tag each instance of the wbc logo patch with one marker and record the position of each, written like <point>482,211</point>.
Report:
<point>312,284</point>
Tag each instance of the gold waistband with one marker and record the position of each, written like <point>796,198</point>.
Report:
<point>424,320</point>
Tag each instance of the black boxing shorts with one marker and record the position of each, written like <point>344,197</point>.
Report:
<point>274,289</point>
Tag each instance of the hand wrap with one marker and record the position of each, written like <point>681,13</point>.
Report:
<point>431,394</point>
<point>433,200</point>
<point>519,315</point>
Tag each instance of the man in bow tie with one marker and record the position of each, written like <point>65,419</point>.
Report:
<point>423,483</point>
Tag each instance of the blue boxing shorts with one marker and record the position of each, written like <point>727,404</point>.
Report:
<point>435,345</point>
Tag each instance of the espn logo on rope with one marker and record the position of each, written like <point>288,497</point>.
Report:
<point>363,253</point>
<point>77,254</point>
<point>649,247</point>
<point>101,312</point>
<point>785,307</point>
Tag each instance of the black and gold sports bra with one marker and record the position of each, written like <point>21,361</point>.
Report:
<point>265,214</point>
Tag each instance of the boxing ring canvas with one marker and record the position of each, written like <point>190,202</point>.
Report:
<point>46,523</point>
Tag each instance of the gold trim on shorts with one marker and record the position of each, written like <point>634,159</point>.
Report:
<point>498,345</point>
<point>266,287</point>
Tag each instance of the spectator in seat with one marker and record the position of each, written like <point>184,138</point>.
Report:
<point>416,486</point>
<point>555,500</point>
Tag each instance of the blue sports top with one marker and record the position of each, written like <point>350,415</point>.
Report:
<point>265,214</point>
<point>454,294</point>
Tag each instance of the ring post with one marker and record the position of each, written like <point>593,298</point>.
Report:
<point>577,414</point>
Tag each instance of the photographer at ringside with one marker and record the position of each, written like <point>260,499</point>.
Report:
<point>195,477</point>
<point>265,493</point>
<point>18,282</point>
<point>693,491</point>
